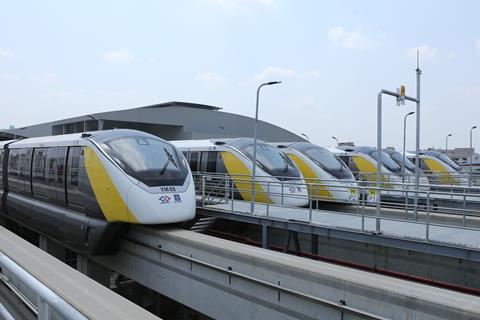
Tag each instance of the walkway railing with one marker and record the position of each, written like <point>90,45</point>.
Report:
<point>307,201</point>
<point>38,298</point>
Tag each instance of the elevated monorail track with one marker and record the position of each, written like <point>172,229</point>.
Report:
<point>245,282</point>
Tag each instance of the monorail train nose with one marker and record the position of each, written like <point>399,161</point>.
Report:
<point>294,193</point>
<point>169,206</point>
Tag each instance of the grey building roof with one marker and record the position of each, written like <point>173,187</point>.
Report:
<point>8,136</point>
<point>171,121</point>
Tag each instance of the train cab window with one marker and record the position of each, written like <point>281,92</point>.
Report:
<point>150,160</point>
<point>193,161</point>
<point>271,160</point>
<point>326,160</point>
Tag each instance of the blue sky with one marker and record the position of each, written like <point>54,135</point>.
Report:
<point>60,59</point>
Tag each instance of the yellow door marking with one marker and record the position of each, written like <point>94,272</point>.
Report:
<point>107,195</point>
<point>438,169</point>
<point>240,175</point>
<point>317,190</point>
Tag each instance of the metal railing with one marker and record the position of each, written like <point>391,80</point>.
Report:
<point>273,199</point>
<point>38,298</point>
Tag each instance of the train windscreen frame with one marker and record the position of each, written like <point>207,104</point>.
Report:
<point>148,159</point>
<point>326,160</point>
<point>398,157</point>
<point>270,159</point>
<point>384,158</point>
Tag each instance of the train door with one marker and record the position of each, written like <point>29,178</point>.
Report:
<point>75,168</point>
<point>1,171</point>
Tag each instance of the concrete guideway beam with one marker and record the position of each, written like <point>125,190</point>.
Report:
<point>224,279</point>
<point>85,295</point>
<point>353,235</point>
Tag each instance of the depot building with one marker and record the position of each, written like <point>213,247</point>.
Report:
<point>170,121</point>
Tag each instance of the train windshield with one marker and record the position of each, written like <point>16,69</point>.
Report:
<point>398,157</point>
<point>385,159</point>
<point>148,159</point>
<point>449,161</point>
<point>326,160</point>
<point>272,160</point>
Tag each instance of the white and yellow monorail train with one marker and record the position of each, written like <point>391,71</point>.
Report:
<point>82,188</point>
<point>439,168</point>
<point>278,180</point>
<point>362,162</point>
<point>328,177</point>
<point>408,169</point>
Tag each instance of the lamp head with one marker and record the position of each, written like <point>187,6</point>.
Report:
<point>272,82</point>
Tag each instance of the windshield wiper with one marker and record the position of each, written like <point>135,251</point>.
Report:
<point>286,162</point>
<point>170,159</point>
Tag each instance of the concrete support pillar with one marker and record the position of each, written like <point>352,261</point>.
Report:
<point>3,220</point>
<point>53,248</point>
<point>314,244</point>
<point>265,236</point>
<point>93,270</point>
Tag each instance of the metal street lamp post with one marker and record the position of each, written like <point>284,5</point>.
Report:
<point>335,139</point>
<point>100,122</point>
<point>252,196</point>
<point>446,141</point>
<point>401,97</point>
<point>404,141</point>
<point>471,157</point>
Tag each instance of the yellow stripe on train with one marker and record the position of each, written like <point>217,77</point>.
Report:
<point>108,197</point>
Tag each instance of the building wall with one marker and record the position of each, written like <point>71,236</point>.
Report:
<point>171,123</point>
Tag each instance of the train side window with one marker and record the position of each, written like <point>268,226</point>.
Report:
<point>60,175</point>
<point>19,164</point>
<point>51,170</point>
<point>39,173</point>
<point>203,161</point>
<point>2,152</point>
<point>194,161</point>
<point>220,164</point>
<point>212,161</point>
<point>74,166</point>
<point>13,169</point>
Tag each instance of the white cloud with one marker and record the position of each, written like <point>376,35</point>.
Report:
<point>235,4</point>
<point>311,74</point>
<point>45,78</point>
<point>9,78</point>
<point>477,45</point>
<point>5,53</point>
<point>122,55</point>
<point>467,92</point>
<point>274,73</point>
<point>426,52</point>
<point>348,39</point>
<point>211,78</point>
<point>64,95</point>
<point>151,60</point>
